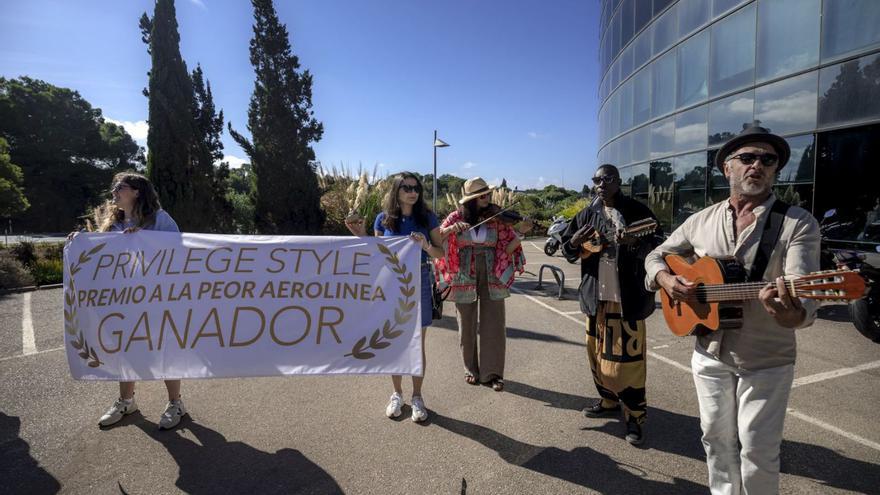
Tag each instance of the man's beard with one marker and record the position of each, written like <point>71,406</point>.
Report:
<point>748,188</point>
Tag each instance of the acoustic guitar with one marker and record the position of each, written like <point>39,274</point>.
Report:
<point>597,242</point>
<point>713,276</point>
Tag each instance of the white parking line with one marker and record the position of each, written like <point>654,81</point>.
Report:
<point>832,428</point>
<point>797,414</point>
<point>819,377</point>
<point>28,344</point>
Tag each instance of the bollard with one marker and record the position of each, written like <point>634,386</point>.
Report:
<point>558,274</point>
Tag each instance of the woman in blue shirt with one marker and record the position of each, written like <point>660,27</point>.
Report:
<point>404,212</point>
<point>135,206</point>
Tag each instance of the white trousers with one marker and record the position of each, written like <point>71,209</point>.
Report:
<point>742,414</point>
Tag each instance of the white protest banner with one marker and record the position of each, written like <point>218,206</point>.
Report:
<point>162,305</point>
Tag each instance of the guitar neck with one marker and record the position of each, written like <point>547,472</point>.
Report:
<point>739,292</point>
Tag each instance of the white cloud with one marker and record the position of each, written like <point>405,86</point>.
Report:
<point>536,135</point>
<point>198,3</point>
<point>234,161</point>
<point>137,130</point>
<point>468,165</point>
<point>792,108</point>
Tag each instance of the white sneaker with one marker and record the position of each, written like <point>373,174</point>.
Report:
<point>174,411</point>
<point>119,409</point>
<point>419,411</point>
<point>392,410</point>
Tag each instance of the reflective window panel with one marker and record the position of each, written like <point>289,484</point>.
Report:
<point>626,22</point>
<point>659,5</point>
<point>660,192</point>
<point>788,106</point>
<point>641,144</point>
<point>849,26</point>
<point>728,116</point>
<point>788,37</point>
<point>663,85</point>
<point>850,153</point>
<point>640,176</point>
<point>693,65</point>
<point>642,14</point>
<point>733,52</point>
<point>803,157</point>
<point>663,137</point>
<point>642,96</point>
<point>850,92</point>
<point>691,130</point>
<point>663,31</point>
<point>642,50</point>
<point>626,106</point>
<point>721,6</point>
<point>691,15</point>
<point>689,193</point>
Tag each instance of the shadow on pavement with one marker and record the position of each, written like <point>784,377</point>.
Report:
<point>836,312</point>
<point>450,323</point>
<point>20,472</point>
<point>583,465</point>
<point>215,465</point>
<point>680,434</point>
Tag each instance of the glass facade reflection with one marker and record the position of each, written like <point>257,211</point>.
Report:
<point>680,77</point>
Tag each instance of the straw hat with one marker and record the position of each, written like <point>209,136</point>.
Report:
<point>474,188</point>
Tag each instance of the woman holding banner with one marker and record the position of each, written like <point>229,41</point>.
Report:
<point>404,212</point>
<point>482,256</point>
<point>135,206</point>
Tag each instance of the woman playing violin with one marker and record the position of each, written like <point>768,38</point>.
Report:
<point>482,255</point>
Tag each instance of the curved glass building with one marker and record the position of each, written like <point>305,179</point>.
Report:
<point>680,77</point>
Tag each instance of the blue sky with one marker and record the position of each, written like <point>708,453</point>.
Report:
<point>510,84</point>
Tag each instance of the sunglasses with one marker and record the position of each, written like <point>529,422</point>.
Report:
<point>408,188</point>
<point>120,186</point>
<point>604,179</point>
<point>767,159</point>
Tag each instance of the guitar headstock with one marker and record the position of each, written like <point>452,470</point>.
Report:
<point>641,227</point>
<point>841,285</point>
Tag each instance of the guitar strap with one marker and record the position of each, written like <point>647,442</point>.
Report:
<point>769,238</point>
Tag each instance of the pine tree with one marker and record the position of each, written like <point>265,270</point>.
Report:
<point>209,151</point>
<point>172,163</point>
<point>282,126</point>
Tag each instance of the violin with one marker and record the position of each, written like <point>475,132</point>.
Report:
<point>506,216</point>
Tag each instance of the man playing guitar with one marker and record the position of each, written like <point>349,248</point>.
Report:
<point>613,296</point>
<point>743,374</point>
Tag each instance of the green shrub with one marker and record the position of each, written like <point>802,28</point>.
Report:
<point>52,251</point>
<point>47,272</point>
<point>25,253</point>
<point>13,274</point>
<point>572,209</point>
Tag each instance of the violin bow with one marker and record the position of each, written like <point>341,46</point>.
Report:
<point>502,210</point>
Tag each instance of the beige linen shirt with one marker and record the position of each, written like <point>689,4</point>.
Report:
<point>761,342</point>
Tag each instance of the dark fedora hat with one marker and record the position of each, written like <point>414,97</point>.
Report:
<point>754,133</point>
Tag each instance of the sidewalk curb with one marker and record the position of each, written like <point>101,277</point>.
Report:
<point>30,288</point>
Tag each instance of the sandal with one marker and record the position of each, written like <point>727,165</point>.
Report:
<point>498,385</point>
<point>470,379</point>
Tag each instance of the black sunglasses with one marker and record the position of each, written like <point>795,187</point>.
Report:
<point>604,179</point>
<point>408,188</point>
<point>767,159</point>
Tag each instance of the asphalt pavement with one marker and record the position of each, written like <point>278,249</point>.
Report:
<point>330,435</point>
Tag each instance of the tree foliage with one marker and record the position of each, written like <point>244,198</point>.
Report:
<point>282,127</point>
<point>66,151</point>
<point>12,199</point>
<point>178,162</point>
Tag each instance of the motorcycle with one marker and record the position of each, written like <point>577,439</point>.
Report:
<point>554,235</point>
<point>865,312</point>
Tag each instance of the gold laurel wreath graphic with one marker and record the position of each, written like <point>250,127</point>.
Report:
<point>71,320</point>
<point>379,339</point>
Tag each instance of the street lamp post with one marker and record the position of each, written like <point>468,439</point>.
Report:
<point>437,144</point>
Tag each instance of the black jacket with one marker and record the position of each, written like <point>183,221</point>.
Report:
<point>636,302</point>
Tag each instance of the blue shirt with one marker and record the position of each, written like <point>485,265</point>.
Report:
<point>163,223</point>
<point>408,226</point>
